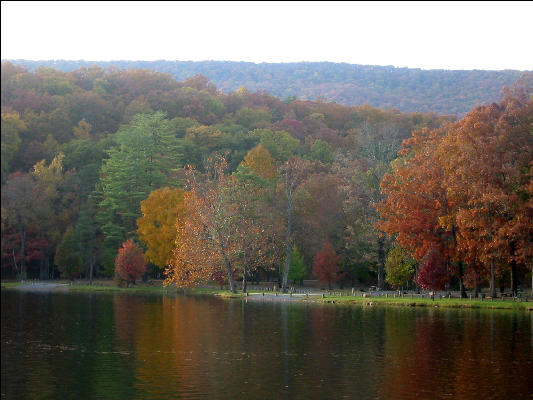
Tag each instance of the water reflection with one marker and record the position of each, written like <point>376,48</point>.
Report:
<point>125,346</point>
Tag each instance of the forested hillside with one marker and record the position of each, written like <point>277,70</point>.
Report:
<point>81,150</point>
<point>99,166</point>
<point>409,90</point>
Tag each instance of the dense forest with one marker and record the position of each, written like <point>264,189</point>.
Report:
<point>444,92</point>
<point>106,170</point>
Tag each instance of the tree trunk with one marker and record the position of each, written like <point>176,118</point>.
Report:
<point>230,279</point>
<point>514,278</point>
<point>229,271</point>
<point>244,268</point>
<point>47,263</point>
<point>492,280</point>
<point>227,264</point>
<point>461,284</point>
<point>41,269</point>
<point>22,253</point>
<point>288,249</point>
<point>91,269</point>
<point>381,262</point>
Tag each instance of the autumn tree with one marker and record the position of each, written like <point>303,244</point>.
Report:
<point>254,230</point>
<point>280,144</point>
<point>162,212</point>
<point>129,263</point>
<point>399,266</point>
<point>361,167</point>
<point>433,271</point>
<point>325,266</point>
<point>319,215</point>
<point>416,208</point>
<point>204,242</point>
<point>261,162</point>
<point>56,208</point>
<point>487,156</point>
<point>20,198</point>
<point>292,174</point>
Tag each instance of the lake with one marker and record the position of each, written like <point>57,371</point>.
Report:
<point>137,346</point>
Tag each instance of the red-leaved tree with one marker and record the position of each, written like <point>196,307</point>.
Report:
<point>129,263</point>
<point>433,271</point>
<point>325,265</point>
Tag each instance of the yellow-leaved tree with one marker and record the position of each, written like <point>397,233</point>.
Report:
<point>261,162</point>
<point>162,214</point>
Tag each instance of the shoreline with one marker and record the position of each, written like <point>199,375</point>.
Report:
<point>253,295</point>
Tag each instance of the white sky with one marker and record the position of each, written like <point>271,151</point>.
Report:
<point>448,35</point>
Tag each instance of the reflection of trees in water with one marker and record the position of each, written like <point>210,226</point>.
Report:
<point>464,354</point>
<point>133,346</point>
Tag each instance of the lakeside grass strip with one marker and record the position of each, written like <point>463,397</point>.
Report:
<point>444,302</point>
<point>328,299</point>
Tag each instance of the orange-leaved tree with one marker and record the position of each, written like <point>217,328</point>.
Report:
<point>488,156</point>
<point>129,263</point>
<point>204,241</point>
<point>416,208</point>
<point>162,213</point>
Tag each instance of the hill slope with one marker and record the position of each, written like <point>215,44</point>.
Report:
<point>409,90</point>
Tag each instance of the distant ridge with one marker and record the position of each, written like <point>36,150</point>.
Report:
<point>406,89</point>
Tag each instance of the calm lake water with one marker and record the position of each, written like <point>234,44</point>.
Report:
<point>131,346</point>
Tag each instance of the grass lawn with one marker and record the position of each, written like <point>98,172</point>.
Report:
<point>425,302</point>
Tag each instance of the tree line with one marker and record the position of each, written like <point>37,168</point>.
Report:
<point>220,187</point>
<point>406,89</point>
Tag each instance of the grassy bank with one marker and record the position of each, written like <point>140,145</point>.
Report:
<point>155,289</point>
<point>426,302</point>
<point>110,286</point>
<point>406,301</point>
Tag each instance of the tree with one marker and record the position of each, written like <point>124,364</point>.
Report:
<point>416,208</point>
<point>433,272</point>
<point>86,233</point>
<point>298,270</point>
<point>279,144</point>
<point>204,242</point>
<point>55,210</point>
<point>318,213</point>
<point>67,256</point>
<point>292,174</point>
<point>12,126</point>
<point>196,257</point>
<point>486,158</point>
<point>129,263</point>
<point>254,232</point>
<point>325,266</point>
<point>261,162</point>
<point>162,212</point>
<point>320,151</point>
<point>19,199</point>
<point>146,154</point>
<point>82,130</point>
<point>399,266</point>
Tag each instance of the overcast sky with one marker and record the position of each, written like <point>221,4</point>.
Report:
<point>433,35</point>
